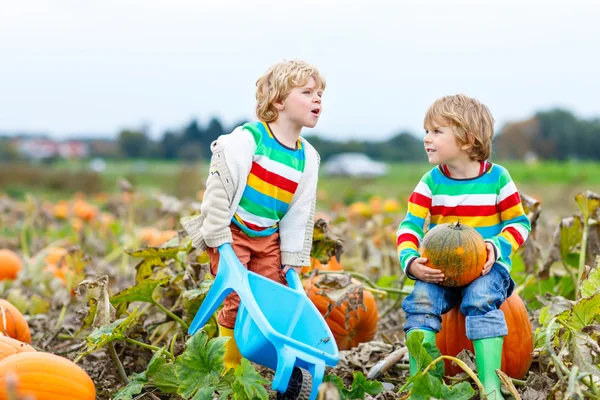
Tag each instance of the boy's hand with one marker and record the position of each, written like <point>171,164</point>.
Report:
<point>419,270</point>
<point>286,268</point>
<point>491,259</point>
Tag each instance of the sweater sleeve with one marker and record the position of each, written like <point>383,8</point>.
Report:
<point>410,232</point>
<point>230,163</point>
<point>296,226</point>
<point>515,224</point>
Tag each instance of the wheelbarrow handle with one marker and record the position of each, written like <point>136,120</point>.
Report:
<point>293,280</point>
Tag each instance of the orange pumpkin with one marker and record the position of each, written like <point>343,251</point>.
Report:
<point>46,376</point>
<point>10,346</point>
<point>164,237</point>
<point>149,235</point>
<point>518,344</point>
<point>58,272</point>
<point>84,210</point>
<point>10,264</point>
<point>55,255</point>
<point>457,250</point>
<point>349,328</point>
<point>332,265</point>
<point>12,322</point>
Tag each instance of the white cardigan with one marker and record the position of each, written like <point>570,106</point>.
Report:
<point>230,166</point>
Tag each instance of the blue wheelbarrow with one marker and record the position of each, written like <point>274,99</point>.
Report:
<point>276,326</point>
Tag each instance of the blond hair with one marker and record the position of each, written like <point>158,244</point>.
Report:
<point>277,83</point>
<point>471,120</point>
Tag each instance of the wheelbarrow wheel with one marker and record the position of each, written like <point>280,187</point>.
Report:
<point>299,387</point>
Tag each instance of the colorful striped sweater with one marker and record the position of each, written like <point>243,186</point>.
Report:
<point>274,176</point>
<point>490,203</point>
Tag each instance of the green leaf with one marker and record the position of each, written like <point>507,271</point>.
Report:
<point>571,232</point>
<point>132,389</point>
<point>591,283</point>
<point>167,252</point>
<point>361,386</point>
<point>38,305</point>
<point>106,334</point>
<point>192,299</point>
<point>144,268</point>
<point>460,391</point>
<point>165,378</point>
<point>19,300</point>
<point>425,387</point>
<point>584,312</point>
<point>387,281</point>
<point>589,203</point>
<point>337,382</point>
<point>200,365</point>
<point>582,354</point>
<point>424,354</point>
<point>156,361</point>
<point>204,393</point>
<point>143,291</point>
<point>249,384</point>
<point>226,381</point>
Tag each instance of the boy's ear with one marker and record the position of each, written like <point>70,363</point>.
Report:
<point>278,105</point>
<point>466,146</point>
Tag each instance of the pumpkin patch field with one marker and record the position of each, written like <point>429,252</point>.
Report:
<point>97,292</point>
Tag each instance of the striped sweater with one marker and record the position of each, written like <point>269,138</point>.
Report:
<point>490,203</point>
<point>274,176</point>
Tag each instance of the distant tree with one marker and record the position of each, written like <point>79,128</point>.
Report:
<point>516,139</point>
<point>212,132</point>
<point>192,133</point>
<point>169,145</point>
<point>133,144</point>
<point>191,152</point>
<point>8,152</point>
<point>562,129</point>
<point>402,147</point>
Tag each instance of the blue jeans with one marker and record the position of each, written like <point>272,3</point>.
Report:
<point>481,300</point>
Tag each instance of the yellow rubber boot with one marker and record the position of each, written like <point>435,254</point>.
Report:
<point>232,358</point>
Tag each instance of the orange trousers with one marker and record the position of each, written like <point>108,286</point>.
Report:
<point>261,255</point>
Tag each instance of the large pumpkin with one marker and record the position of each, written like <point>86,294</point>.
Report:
<point>518,344</point>
<point>349,327</point>
<point>10,346</point>
<point>46,376</point>
<point>12,322</point>
<point>332,265</point>
<point>457,250</point>
<point>10,264</point>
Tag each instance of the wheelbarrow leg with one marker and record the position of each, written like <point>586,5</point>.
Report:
<point>283,373</point>
<point>215,296</point>
<point>318,372</point>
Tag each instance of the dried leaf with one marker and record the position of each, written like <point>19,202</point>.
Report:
<point>325,245</point>
<point>105,312</point>
<point>507,382</point>
<point>589,203</point>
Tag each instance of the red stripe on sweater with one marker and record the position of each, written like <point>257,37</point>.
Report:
<point>509,202</point>
<point>407,237</point>
<point>515,233</point>
<point>419,199</point>
<point>465,211</point>
<point>273,178</point>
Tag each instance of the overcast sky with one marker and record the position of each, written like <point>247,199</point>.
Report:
<point>95,67</point>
